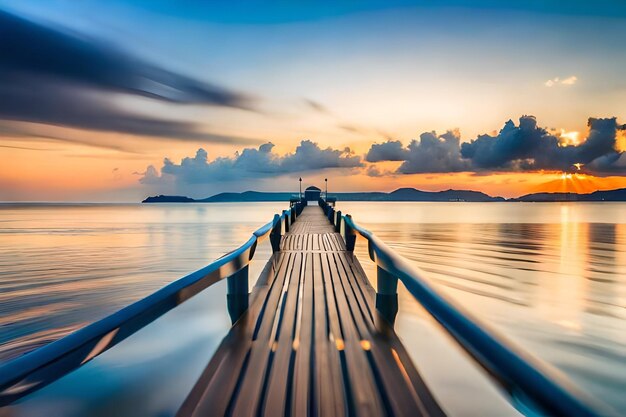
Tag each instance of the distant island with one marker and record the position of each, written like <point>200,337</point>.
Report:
<point>402,194</point>
<point>609,195</point>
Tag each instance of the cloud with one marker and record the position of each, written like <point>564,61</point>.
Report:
<point>522,147</point>
<point>150,176</point>
<point>392,150</point>
<point>511,146</point>
<point>528,147</point>
<point>251,163</point>
<point>373,171</point>
<point>60,78</point>
<point>24,148</point>
<point>65,105</point>
<point>309,156</point>
<point>434,153</point>
<point>317,106</point>
<point>570,80</point>
<point>431,153</point>
<point>558,81</point>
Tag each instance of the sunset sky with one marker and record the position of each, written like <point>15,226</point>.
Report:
<point>117,100</point>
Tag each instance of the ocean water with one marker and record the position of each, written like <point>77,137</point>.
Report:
<point>550,277</point>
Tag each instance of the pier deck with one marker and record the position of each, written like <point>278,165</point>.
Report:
<point>312,342</point>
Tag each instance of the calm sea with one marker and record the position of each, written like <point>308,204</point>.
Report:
<point>550,277</point>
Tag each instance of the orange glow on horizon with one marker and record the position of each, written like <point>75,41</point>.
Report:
<point>58,171</point>
<point>620,142</point>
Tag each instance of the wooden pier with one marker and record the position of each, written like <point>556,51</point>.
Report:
<point>312,342</point>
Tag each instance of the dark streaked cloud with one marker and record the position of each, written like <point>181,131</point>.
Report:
<point>31,49</point>
<point>349,127</point>
<point>522,147</point>
<point>60,78</point>
<point>317,106</point>
<point>252,163</point>
<point>38,101</point>
<point>26,148</point>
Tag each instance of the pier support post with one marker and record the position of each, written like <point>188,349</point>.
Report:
<point>350,236</point>
<point>237,294</point>
<point>275,234</point>
<point>287,223</point>
<point>338,222</point>
<point>387,295</point>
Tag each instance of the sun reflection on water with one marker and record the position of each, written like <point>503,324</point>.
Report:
<point>550,276</point>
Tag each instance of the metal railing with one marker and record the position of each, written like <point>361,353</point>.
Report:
<point>533,386</point>
<point>35,370</point>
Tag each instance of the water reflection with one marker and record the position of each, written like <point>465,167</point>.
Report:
<point>552,277</point>
<point>64,266</point>
<point>149,374</point>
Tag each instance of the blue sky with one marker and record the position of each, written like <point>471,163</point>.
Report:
<point>342,74</point>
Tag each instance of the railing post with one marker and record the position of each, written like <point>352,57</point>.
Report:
<point>286,217</point>
<point>275,234</point>
<point>350,236</point>
<point>338,222</point>
<point>237,294</point>
<point>386,295</point>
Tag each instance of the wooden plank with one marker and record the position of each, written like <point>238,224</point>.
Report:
<point>325,242</point>
<point>356,282</point>
<point>408,393</point>
<point>303,345</point>
<point>248,398</point>
<point>364,396</point>
<point>281,371</point>
<point>329,394</point>
<point>397,396</point>
<point>214,386</point>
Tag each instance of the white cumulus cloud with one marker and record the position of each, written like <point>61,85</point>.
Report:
<point>252,163</point>
<point>561,81</point>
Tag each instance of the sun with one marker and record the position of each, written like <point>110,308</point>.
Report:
<point>568,182</point>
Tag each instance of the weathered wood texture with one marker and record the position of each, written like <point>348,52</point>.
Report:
<point>312,342</point>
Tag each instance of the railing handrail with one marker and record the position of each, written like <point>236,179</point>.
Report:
<point>531,383</point>
<point>38,368</point>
